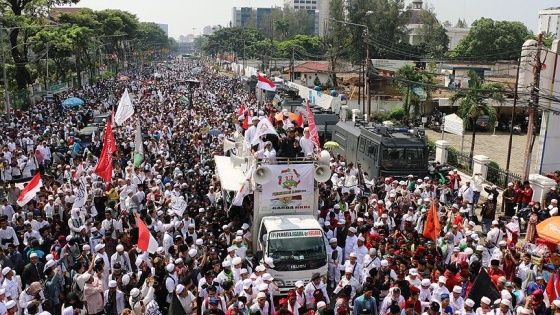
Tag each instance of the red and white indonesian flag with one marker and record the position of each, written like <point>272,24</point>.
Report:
<point>265,83</point>
<point>30,191</point>
<point>146,240</point>
<point>264,127</point>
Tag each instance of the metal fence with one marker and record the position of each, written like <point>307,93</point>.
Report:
<point>501,177</point>
<point>464,162</point>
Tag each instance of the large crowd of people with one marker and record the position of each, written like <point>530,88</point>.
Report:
<point>59,259</point>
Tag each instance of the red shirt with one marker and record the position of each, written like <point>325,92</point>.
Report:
<point>527,195</point>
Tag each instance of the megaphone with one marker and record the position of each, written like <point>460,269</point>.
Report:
<point>236,136</point>
<point>325,158</point>
<point>236,160</point>
<point>228,145</point>
<point>262,175</point>
<point>322,173</point>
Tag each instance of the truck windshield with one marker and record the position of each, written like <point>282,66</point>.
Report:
<point>403,158</point>
<point>296,249</point>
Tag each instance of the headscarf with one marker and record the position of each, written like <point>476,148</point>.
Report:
<point>34,288</point>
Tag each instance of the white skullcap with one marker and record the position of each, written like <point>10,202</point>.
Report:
<point>134,292</point>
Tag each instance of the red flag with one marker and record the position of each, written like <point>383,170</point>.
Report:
<point>241,110</point>
<point>300,120</point>
<point>246,122</point>
<point>553,287</point>
<point>146,240</point>
<point>104,168</point>
<point>432,227</point>
<point>265,83</point>
<point>30,191</point>
<point>313,133</point>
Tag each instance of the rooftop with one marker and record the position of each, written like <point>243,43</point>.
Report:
<point>310,66</point>
<point>55,12</point>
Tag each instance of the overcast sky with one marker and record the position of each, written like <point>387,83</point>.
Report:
<point>184,15</point>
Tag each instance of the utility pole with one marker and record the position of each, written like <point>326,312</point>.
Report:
<point>368,65</point>
<point>533,103</point>
<point>47,78</point>
<point>6,93</point>
<point>292,61</point>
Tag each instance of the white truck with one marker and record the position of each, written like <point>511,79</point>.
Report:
<point>284,221</point>
<point>285,226</point>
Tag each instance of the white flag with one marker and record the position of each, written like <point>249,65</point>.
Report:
<point>81,194</point>
<point>125,109</point>
<point>264,127</point>
<point>245,189</point>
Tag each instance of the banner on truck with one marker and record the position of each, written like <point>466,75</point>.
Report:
<point>295,234</point>
<point>291,187</point>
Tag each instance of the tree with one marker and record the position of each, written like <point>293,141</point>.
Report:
<point>473,103</point>
<point>490,40</point>
<point>408,78</point>
<point>387,21</point>
<point>434,40</point>
<point>337,38</point>
<point>14,13</point>
<point>461,23</point>
<point>301,45</point>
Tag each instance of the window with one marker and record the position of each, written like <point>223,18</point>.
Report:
<point>362,145</point>
<point>287,249</point>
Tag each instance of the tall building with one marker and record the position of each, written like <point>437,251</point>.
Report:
<point>302,4</point>
<point>164,27</point>
<point>241,16</point>
<point>549,21</point>
<point>455,34</point>
<point>210,29</point>
<point>314,8</point>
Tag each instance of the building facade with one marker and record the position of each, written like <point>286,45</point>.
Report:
<point>549,21</point>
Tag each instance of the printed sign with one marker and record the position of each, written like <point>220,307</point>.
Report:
<point>291,188</point>
<point>294,234</point>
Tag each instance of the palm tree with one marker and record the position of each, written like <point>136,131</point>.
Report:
<point>406,77</point>
<point>473,103</point>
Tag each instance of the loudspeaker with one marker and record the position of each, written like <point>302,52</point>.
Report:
<point>236,160</point>
<point>228,145</point>
<point>236,136</point>
<point>325,158</point>
<point>262,175</point>
<point>322,173</point>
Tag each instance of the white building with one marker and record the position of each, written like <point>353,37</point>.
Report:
<point>549,21</point>
<point>455,34</point>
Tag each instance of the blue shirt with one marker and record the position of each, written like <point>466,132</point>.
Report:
<point>361,303</point>
<point>534,286</point>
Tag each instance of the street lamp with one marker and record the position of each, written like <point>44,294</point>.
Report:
<point>9,31</point>
<point>368,62</point>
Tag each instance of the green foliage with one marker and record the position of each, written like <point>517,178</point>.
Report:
<point>317,81</point>
<point>434,39</point>
<point>472,102</point>
<point>411,101</point>
<point>431,149</point>
<point>493,175</point>
<point>493,40</point>
<point>397,114</point>
<point>387,27</point>
<point>379,117</point>
<point>239,40</point>
<point>336,40</point>
<point>282,24</point>
<point>452,156</point>
<point>328,84</point>
<point>300,45</point>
